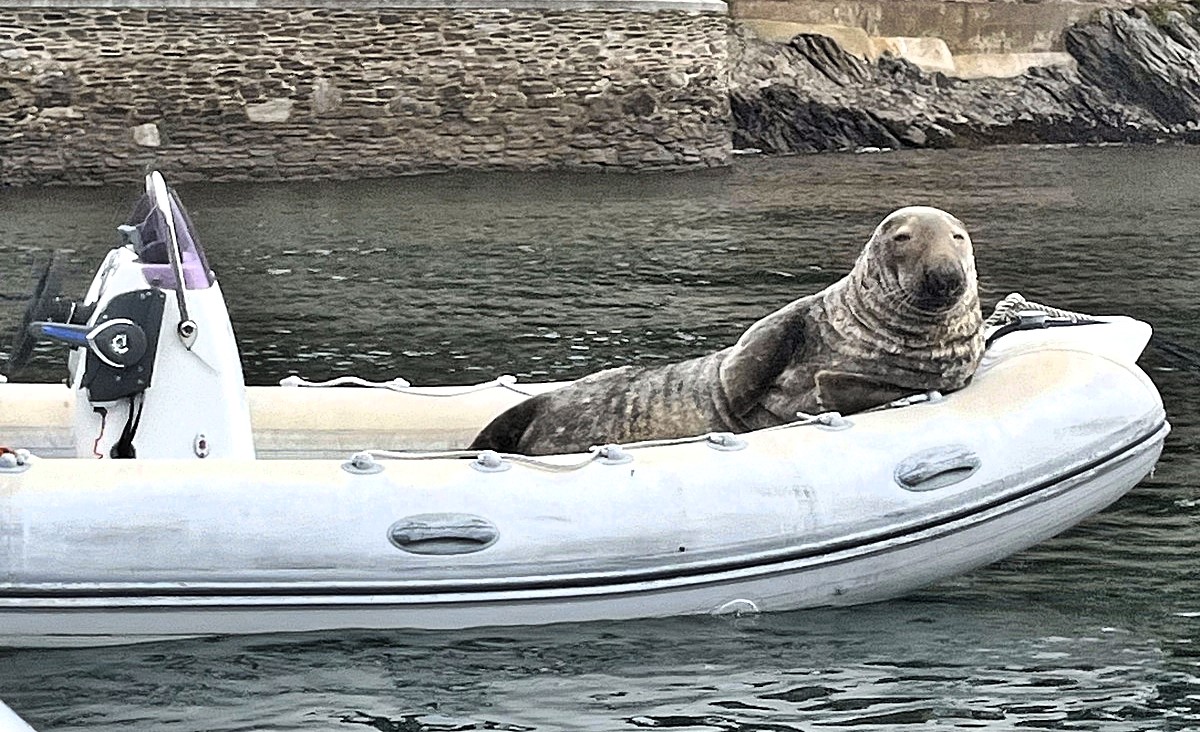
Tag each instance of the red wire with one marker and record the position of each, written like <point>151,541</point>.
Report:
<point>103,420</point>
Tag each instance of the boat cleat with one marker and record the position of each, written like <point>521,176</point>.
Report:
<point>725,441</point>
<point>14,461</point>
<point>613,455</point>
<point>832,421</point>
<point>490,461</point>
<point>1031,318</point>
<point>362,463</point>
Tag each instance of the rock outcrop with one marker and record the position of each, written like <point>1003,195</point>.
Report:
<point>1137,80</point>
<point>1155,66</point>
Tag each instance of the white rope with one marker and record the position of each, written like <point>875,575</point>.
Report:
<point>1008,309</point>
<point>803,419</point>
<point>403,386</point>
<point>833,420</point>
<point>395,384</point>
<point>923,397</point>
<point>532,462</point>
<point>661,443</point>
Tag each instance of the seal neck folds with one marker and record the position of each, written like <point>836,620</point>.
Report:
<point>871,306</point>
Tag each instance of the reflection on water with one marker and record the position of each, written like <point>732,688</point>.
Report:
<point>925,661</point>
<point>458,278</point>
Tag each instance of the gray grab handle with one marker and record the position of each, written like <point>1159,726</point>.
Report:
<point>938,467</point>
<point>443,533</point>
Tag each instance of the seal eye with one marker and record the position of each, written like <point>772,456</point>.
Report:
<point>959,237</point>
<point>902,236</point>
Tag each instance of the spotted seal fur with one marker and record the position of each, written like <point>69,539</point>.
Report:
<point>905,319</point>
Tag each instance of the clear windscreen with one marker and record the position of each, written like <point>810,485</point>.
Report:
<point>153,241</point>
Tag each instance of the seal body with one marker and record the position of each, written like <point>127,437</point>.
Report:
<point>906,319</point>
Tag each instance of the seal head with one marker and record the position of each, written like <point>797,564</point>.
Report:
<point>926,253</point>
<point>906,319</point>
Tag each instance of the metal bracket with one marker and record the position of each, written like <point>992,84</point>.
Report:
<point>1032,318</point>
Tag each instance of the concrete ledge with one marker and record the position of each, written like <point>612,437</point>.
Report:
<point>693,6</point>
<point>926,52</point>
<point>929,54</point>
<point>970,26</point>
<point>1004,65</point>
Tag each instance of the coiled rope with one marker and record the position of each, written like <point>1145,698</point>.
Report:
<point>1015,313</point>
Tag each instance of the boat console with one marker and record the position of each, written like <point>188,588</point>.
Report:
<point>154,364</point>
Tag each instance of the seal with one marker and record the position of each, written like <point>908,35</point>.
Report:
<point>905,319</point>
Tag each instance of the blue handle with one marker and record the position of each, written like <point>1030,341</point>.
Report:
<point>72,335</point>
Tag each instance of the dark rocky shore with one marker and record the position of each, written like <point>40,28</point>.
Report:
<point>1137,80</point>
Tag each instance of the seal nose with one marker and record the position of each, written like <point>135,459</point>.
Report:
<point>941,286</point>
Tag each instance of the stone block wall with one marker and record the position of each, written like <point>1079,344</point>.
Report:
<point>94,94</point>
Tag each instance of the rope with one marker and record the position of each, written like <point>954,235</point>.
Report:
<point>1016,313</point>
<point>403,386</point>
<point>661,443</point>
<point>395,384</point>
<point>527,460</point>
<point>804,419</point>
<point>1007,311</point>
<point>597,452</point>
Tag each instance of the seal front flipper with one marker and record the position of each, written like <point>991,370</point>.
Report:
<point>841,391</point>
<point>505,432</point>
<point>750,367</point>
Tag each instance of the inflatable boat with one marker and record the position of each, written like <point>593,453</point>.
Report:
<point>155,496</point>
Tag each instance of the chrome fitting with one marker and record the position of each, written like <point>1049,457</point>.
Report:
<point>1032,318</point>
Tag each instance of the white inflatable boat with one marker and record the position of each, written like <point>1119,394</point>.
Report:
<point>264,509</point>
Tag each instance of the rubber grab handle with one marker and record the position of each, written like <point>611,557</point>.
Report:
<point>938,467</point>
<point>443,533</point>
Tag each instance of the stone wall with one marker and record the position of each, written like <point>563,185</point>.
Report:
<point>92,94</point>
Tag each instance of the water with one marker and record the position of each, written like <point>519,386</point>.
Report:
<point>458,278</point>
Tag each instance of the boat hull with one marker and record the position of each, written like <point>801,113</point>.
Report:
<point>877,570</point>
<point>1054,427</point>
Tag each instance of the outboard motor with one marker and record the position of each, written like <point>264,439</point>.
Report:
<point>155,366</point>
